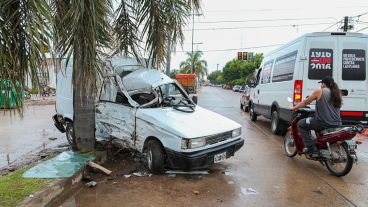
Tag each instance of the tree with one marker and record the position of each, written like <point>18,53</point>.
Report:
<point>83,30</point>
<point>200,66</point>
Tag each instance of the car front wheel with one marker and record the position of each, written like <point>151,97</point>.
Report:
<point>155,157</point>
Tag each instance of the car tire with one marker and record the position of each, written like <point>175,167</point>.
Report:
<point>277,126</point>
<point>69,132</point>
<point>252,114</point>
<point>246,108</point>
<point>155,157</point>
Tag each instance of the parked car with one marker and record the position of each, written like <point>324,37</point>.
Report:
<point>295,69</point>
<point>149,112</point>
<point>227,87</point>
<point>242,89</point>
<point>244,99</point>
<point>236,88</point>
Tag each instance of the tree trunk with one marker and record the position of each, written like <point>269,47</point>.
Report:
<point>84,107</point>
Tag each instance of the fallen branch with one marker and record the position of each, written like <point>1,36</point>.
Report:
<point>99,167</point>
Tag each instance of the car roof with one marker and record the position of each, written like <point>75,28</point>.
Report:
<point>145,78</point>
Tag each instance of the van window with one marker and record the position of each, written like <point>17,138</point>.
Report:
<point>266,72</point>
<point>320,63</point>
<point>353,64</point>
<point>284,67</point>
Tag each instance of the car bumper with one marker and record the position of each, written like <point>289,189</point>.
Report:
<point>200,159</point>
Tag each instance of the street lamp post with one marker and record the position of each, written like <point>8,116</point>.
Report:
<point>193,38</point>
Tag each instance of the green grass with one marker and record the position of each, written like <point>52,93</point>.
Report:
<point>14,188</point>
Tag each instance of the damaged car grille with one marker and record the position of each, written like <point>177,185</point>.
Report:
<point>218,138</point>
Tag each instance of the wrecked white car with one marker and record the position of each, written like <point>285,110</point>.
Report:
<point>149,112</point>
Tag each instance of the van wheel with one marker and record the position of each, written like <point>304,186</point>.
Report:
<point>252,114</point>
<point>69,131</point>
<point>277,126</point>
<point>155,157</point>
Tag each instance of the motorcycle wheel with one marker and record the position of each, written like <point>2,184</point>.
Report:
<point>344,162</point>
<point>289,145</point>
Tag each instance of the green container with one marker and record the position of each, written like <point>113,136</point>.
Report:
<point>8,94</point>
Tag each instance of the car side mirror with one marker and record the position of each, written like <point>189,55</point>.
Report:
<point>195,99</point>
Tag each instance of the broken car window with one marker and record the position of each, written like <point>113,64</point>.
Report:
<point>108,91</point>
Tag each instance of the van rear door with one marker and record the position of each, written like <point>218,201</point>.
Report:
<point>321,61</point>
<point>352,77</point>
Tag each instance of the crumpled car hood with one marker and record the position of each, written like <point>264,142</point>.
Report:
<point>199,123</point>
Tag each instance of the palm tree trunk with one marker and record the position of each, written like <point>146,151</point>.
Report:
<point>84,106</point>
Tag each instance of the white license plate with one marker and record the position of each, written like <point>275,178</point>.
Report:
<point>219,157</point>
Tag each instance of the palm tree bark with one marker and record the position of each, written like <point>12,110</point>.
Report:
<point>84,107</point>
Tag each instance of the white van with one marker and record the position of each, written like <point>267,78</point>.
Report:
<point>294,70</point>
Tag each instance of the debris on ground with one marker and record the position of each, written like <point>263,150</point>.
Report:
<point>171,175</point>
<point>91,184</point>
<point>318,190</point>
<point>195,192</point>
<point>52,138</point>
<point>230,182</point>
<point>31,196</point>
<point>137,174</point>
<point>227,173</point>
<point>99,167</point>
<point>248,191</point>
<point>179,172</point>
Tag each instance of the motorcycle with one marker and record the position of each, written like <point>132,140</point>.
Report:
<point>336,146</point>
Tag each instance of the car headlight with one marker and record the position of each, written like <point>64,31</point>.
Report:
<point>236,133</point>
<point>195,143</point>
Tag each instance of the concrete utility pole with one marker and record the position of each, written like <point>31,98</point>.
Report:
<point>192,42</point>
<point>168,57</point>
<point>346,24</point>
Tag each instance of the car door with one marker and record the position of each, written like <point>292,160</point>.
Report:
<point>115,117</point>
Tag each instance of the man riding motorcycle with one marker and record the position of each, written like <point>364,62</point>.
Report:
<point>328,103</point>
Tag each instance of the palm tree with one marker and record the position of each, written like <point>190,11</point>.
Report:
<point>194,59</point>
<point>82,30</point>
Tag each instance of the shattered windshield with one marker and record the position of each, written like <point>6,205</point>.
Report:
<point>172,95</point>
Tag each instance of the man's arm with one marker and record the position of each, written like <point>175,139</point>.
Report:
<point>317,93</point>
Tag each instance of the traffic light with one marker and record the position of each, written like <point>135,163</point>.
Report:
<point>250,56</point>
<point>240,57</point>
<point>245,55</point>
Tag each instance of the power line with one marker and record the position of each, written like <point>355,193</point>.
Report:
<point>235,49</point>
<point>254,27</point>
<point>272,10</point>
<point>263,20</point>
<point>362,29</point>
<point>331,26</point>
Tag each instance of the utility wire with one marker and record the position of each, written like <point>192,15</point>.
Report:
<point>273,10</point>
<point>331,25</point>
<point>234,49</point>
<point>263,20</point>
<point>362,29</point>
<point>254,27</point>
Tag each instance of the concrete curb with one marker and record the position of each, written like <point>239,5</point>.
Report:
<point>58,187</point>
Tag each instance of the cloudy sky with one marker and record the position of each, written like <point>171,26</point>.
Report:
<point>227,26</point>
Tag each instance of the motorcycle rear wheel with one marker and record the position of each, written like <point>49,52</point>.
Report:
<point>342,166</point>
<point>289,145</point>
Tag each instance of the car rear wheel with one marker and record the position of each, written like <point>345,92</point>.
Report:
<point>155,157</point>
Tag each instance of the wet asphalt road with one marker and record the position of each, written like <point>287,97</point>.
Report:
<point>260,165</point>
<point>20,136</point>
